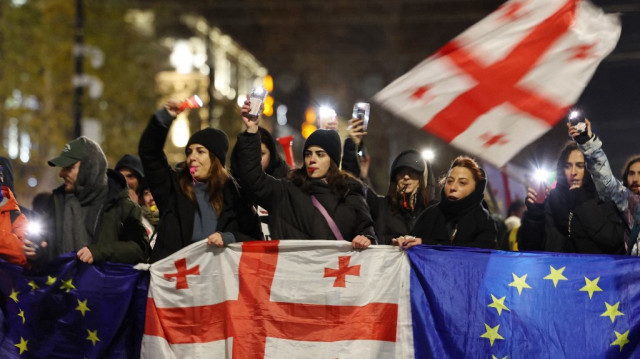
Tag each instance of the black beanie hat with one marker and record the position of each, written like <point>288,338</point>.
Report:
<point>411,159</point>
<point>131,162</point>
<point>328,140</point>
<point>214,140</point>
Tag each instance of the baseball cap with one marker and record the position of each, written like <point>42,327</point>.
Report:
<point>71,153</point>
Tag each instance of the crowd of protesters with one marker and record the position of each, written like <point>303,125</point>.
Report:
<point>145,209</point>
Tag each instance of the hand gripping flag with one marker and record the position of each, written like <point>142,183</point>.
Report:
<point>508,79</point>
<point>279,299</point>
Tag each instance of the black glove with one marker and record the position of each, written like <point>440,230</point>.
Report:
<point>582,138</point>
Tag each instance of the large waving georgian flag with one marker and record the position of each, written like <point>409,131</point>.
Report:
<point>508,79</point>
<point>279,299</point>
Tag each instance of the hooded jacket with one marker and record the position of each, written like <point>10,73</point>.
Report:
<point>7,171</point>
<point>572,221</point>
<point>13,229</point>
<point>291,211</point>
<point>459,223</point>
<point>111,220</point>
<point>116,233</point>
<point>177,211</point>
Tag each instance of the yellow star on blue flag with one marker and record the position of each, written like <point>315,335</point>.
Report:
<point>67,285</point>
<point>612,311</point>
<point>82,306</point>
<point>591,286</point>
<point>498,304</point>
<point>491,333</point>
<point>22,345</point>
<point>556,275</point>
<point>14,295</point>
<point>621,339</point>
<point>519,282</point>
<point>93,336</point>
<point>33,285</point>
<point>21,315</point>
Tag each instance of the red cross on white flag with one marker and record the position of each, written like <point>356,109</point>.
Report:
<point>508,79</point>
<point>279,299</point>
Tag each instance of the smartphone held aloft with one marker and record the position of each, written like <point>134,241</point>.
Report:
<point>257,96</point>
<point>361,111</point>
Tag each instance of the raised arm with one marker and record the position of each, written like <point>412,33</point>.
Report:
<point>607,185</point>
<point>154,161</point>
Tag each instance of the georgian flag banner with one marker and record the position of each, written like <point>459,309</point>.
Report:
<point>508,79</point>
<point>279,299</point>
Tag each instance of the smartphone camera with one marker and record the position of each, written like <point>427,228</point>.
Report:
<point>361,111</point>
<point>257,97</point>
<point>540,178</point>
<point>577,119</point>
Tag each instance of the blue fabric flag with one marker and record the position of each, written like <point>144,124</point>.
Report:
<point>72,310</point>
<point>473,303</point>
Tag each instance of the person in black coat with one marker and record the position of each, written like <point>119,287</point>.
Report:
<point>572,218</point>
<point>202,200</point>
<point>272,164</point>
<point>410,182</point>
<point>459,219</point>
<point>290,202</point>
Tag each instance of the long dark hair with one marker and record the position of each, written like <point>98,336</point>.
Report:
<point>337,180</point>
<point>561,178</point>
<point>218,176</point>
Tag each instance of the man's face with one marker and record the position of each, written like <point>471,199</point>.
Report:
<point>633,178</point>
<point>129,175</point>
<point>70,175</point>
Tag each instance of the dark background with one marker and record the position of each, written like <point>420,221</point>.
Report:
<point>342,51</point>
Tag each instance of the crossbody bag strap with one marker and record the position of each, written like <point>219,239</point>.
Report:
<point>327,217</point>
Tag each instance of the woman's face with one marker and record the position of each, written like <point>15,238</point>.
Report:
<point>317,162</point>
<point>574,169</point>
<point>409,178</point>
<point>199,162</point>
<point>459,184</point>
<point>266,156</point>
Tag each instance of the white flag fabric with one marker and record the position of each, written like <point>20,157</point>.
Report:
<point>508,79</point>
<point>279,299</point>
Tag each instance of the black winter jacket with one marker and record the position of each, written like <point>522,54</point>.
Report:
<point>292,214</point>
<point>389,225</point>
<point>177,211</point>
<point>458,223</point>
<point>572,221</point>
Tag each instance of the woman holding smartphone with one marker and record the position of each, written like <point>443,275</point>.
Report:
<point>316,201</point>
<point>201,201</point>
<point>571,218</point>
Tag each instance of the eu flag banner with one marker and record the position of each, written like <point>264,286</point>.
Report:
<point>72,310</point>
<point>472,303</point>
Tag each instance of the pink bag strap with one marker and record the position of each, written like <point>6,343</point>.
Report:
<point>327,217</point>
